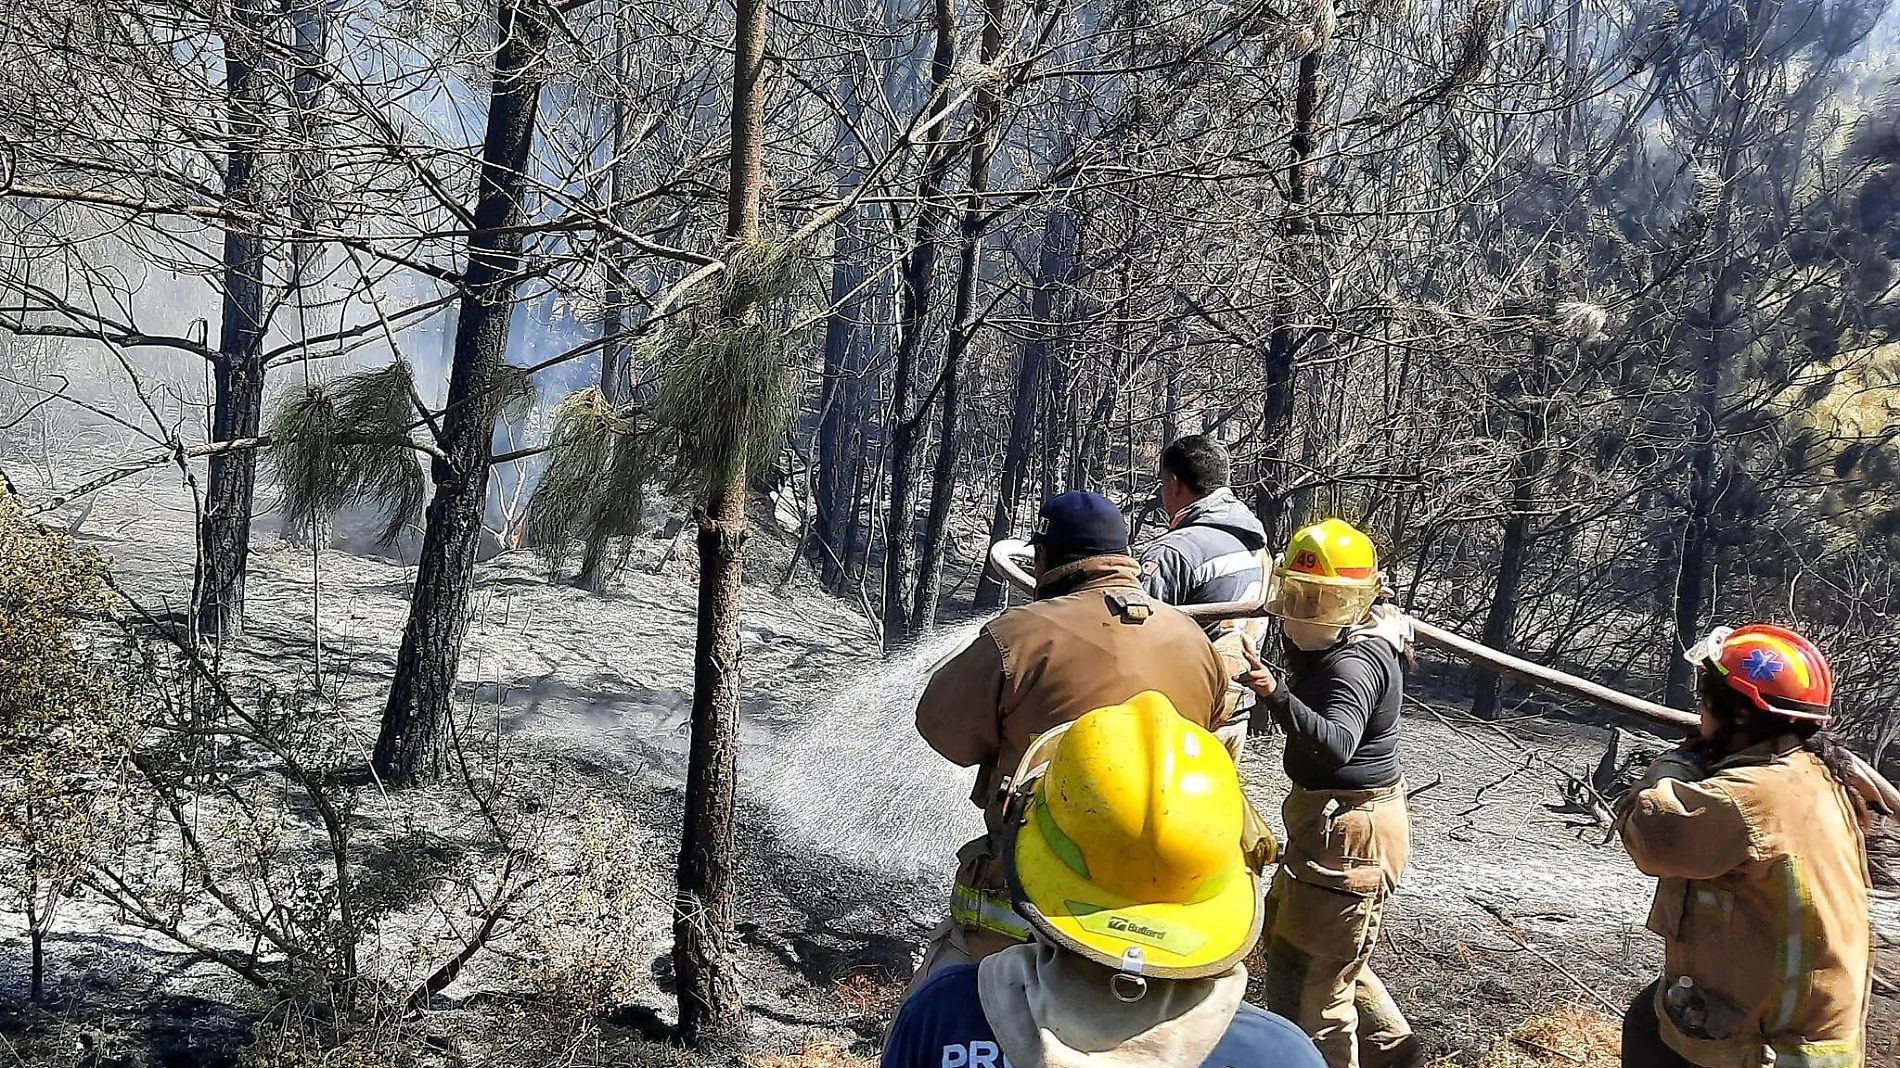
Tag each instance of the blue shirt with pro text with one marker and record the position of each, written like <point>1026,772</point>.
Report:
<point>941,1025</point>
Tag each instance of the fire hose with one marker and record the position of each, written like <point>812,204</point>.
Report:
<point>1009,558</point>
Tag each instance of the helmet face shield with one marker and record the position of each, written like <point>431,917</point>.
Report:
<point>1321,601</point>
<point>1708,651</point>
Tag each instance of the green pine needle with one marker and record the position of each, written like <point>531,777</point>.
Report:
<point>341,444</point>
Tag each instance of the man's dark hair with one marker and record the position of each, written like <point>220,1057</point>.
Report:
<point>1200,462</point>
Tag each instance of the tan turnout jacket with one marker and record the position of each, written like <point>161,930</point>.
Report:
<point>1050,661</point>
<point>1762,904</point>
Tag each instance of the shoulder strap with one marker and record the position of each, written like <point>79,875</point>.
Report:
<point>1131,606</point>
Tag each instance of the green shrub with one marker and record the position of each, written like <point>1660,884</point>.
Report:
<point>63,720</point>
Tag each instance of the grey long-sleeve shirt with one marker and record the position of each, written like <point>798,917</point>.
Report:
<point>1340,710</point>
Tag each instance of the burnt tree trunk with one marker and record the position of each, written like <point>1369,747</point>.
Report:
<point>1272,491</point>
<point>918,271</point>
<point>1705,476</point>
<point>309,205</point>
<point>1052,266</point>
<point>710,1007</point>
<point>431,648</point>
<point>711,1010</point>
<point>616,383</point>
<point>35,932</point>
<point>1056,423</point>
<point>1514,549</point>
<point>841,399</point>
<point>224,527</point>
<point>975,220</point>
<point>598,564</point>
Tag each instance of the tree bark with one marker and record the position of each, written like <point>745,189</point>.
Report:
<point>36,937</point>
<point>919,270</point>
<point>711,1010</point>
<point>310,46</point>
<point>426,663</point>
<point>842,417</point>
<point>1271,493</point>
<point>710,1007</point>
<point>984,116</point>
<point>1705,477</point>
<point>224,528</point>
<point>1052,265</point>
<point>598,566</point>
<point>1513,551</point>
<point>615,380</point>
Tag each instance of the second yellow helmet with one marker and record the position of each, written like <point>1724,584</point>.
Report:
<point>1329,576</point>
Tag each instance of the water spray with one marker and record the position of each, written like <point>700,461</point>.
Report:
<point>858,783</point>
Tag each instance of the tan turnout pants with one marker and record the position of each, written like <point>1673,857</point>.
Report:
<point>1345,852</point>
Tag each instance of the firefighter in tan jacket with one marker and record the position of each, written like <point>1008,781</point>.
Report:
<point>1758,846</point>
<point>1092,638</point>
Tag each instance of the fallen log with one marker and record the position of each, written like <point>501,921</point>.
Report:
<point>1009,558</point>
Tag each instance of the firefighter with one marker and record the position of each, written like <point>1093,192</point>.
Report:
<point>1121,842</point>
<point>1758,847</point>
<point>1210,555</point>
<point>1091,638</point>
<point>1347,837</point>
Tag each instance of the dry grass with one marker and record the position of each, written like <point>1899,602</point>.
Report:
<point>818,1053</point>
<point>866,995</point>
<point>1567,1038</point>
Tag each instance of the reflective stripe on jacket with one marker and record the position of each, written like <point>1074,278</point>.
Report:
<point>1211,555</point>
<point>1762,905</point>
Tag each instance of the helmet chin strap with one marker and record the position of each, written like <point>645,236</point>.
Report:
<point>1312,637</point>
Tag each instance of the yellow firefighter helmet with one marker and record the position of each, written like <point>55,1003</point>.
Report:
<point>1329,576</point>
<point>1124,843</point>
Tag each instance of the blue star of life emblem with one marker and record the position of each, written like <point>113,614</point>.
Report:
<point>1761,665</point>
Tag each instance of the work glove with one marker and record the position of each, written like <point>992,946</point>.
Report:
<point>1678,763</point>
<point>1388,622</point>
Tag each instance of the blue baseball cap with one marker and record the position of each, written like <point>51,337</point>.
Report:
<point>1079,523</point>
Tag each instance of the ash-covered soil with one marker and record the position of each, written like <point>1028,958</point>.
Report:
<point>849,821</point>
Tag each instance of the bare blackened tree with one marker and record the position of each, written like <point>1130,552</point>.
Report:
<point>238,367</point>
<point>424,681</point>
<point>1741,81</point>
<point>915,279</point>
<point>973,222</point>
<point>845,394</point>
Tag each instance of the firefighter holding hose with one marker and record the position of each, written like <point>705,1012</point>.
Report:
<point>1757,842</point>
<point>1346,821</point>
<point>1091,638</point>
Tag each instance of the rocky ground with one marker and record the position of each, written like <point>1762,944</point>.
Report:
<point>1509,909</point>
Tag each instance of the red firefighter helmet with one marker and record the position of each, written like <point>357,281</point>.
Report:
<point>1775,668</point>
